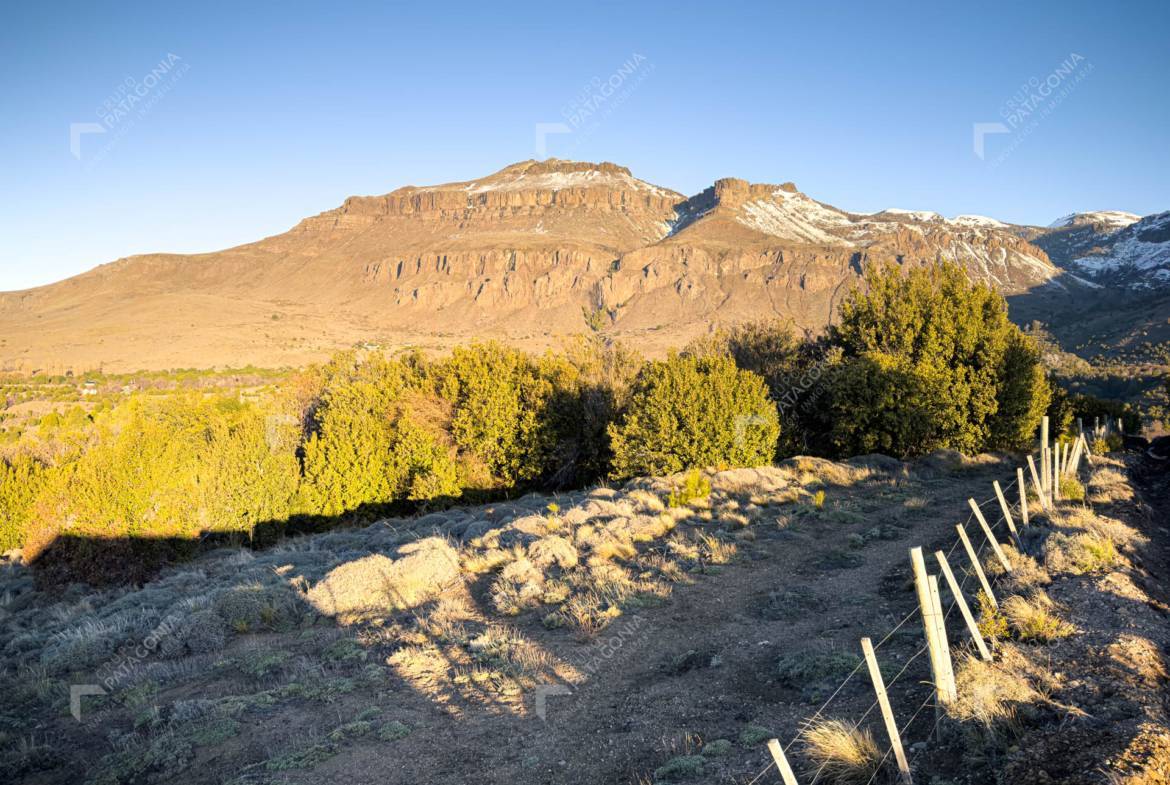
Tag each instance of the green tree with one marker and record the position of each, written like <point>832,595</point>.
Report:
<point>950,346</point>
<point>21,480</point>
<point>498,396</point>
<point>795,369</point>
<point>689,412</point>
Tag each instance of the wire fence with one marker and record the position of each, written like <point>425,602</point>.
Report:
<point>1000,520</point>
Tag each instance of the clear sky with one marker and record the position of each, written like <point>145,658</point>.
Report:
<point>258,114</point>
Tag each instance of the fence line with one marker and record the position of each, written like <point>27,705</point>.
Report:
<point>1054,470</point>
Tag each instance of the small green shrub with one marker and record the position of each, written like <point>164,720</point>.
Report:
<point>752,734</point>
<point>993,625</point>
<point>1071,489</point>
<point>695,487</point>
<point>393,731</point>
<point>716,749</point>
<point>682,767</point>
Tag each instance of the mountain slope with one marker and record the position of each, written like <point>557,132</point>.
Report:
<point>528,253</point>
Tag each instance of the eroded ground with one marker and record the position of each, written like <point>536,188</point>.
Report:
<point>663,632</point>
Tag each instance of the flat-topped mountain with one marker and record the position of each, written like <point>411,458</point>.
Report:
<point>537,250</point>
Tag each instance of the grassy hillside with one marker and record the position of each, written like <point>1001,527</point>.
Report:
<point>684,620</point>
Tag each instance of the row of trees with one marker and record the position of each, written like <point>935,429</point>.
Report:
<point>919,361</point>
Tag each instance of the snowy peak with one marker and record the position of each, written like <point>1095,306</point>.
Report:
<point>1113,219</point>
<point>554,175</point>
<point>1112,248</point>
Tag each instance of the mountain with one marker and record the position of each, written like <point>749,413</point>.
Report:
<point>1122,250</point>
<point>534,251</point>
<point>1125,259</point>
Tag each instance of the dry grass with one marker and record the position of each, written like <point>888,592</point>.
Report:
<point>1036,618</point>
<point>1027,573</point>
<point>1082,554</point>
<point>841,752</point>
<point>376,585</point>
<point>552,550</point>
<point>1108,485</point>
<point>990,693</point>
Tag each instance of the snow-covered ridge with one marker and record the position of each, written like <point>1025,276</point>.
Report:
<point>1116,219</point>
<point>794,216</point>
<point>558,181</point>
<point>1138,248</point>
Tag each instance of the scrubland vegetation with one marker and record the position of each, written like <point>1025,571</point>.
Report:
<point>919,362</point>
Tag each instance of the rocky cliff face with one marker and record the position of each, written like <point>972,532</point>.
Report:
<point>528,253</point>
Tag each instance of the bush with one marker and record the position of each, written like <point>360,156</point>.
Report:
<point>376,585</point>
<point>367,447</point>
<point>21,479</point>
<point>692,412</point>
<point>931,361</point>
<point>795,370</point>
<point>498,397</point>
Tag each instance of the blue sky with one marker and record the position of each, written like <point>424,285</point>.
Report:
<point>269,112</point>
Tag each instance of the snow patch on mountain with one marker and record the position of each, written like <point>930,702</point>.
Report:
<point>794,216</point>
<point>1142,248</point>
<point>1116,219</point>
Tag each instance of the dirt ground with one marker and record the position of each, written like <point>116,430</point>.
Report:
<point>742,640</point>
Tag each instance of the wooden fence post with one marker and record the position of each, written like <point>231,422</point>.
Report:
<point>952,694</point>
<point>879,688</point>
<point>990,535</point>
<point>930,626</point>
<point>1007,515</point>
<point>1055,481</point>
<point>961,601</point>
<point>973,557</point>
<point>1023,497</point>
<point>1071,468</point>
<point>786,773</point>
<point>1044,450</point>
<point>1039,485</point>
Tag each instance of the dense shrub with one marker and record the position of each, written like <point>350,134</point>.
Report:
<point>21,479</point>
<point>368,445</point>
<point>930,360</point>
<point>591,382</point>
<point>689,411</point>
<point>795,369</point>
<point>162,470</point>
<point>497,395</point>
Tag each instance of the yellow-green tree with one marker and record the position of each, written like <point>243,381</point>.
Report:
<point>365,446</point>
<point>687,412</point>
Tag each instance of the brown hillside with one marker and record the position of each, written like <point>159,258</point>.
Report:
<point>523,254</point>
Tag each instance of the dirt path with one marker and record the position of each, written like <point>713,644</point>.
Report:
<point>704,666</point>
